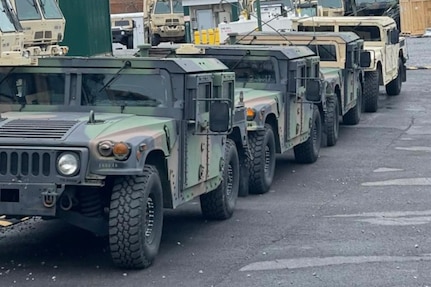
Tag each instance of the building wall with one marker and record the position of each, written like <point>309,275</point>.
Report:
<point>126,6</point>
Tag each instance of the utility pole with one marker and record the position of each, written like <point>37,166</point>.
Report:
<point>259,16</point>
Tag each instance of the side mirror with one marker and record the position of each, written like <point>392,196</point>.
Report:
<point>365,60</point>
<point>219,117</point>
<point>395,36</point>
<point>312,90</point>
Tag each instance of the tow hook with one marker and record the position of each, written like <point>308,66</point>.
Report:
<point>49,198</point>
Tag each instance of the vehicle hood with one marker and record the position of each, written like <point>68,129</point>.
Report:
<point>253,98</point>
<point>74,129</point>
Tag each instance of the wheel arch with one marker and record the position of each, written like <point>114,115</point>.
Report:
<point>337,92</point>
<point>157,158</point>
<point>272,120</point>
<point>380,71</point>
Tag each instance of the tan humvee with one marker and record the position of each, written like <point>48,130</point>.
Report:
<point>381,38</point>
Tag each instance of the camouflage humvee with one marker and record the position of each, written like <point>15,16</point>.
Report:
<point>382,39</point>
<point>341,60</point>
<point>106,144</point>
<point>279,87</point>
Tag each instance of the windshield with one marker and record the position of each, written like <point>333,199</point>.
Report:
<point>330,3</point>
<point>368,33</point>
<point>27,10</point>
<point>6,24</point>
<point>177,6</point>
<point>50,9</point>
<point>162,7</point>
<point>120,23</point>
<point>252,70</point>
<point>32,89</point>
<point>125,90</point>
<point>307,12</point>
<point>327,53</point>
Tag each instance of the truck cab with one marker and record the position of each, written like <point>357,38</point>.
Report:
<point>105,144</point>
<point>341,70</point>
<point>43,24</point>
<point>381,38</point>
<point>278,88</point>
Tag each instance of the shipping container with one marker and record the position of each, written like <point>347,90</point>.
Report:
<point>88,27</point>
<point>415,17</point>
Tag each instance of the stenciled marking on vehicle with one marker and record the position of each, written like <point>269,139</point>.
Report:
<point>310,262</point>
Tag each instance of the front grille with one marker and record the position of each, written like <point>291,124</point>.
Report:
<point>172,22</point>
<point>26,163</point>
<point>31,129</point>
<point>38,35</point>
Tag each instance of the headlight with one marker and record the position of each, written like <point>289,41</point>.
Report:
<point>251,114</point>
<point>68,164</point>
<point>121,151</point>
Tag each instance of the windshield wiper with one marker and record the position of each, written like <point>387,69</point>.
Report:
<point>127,64</point>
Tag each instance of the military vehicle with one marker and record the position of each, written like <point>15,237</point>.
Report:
<point>43,24</point>
<point>12,38</point>
<point>122,31</point>
<point>280,89</point>
<point>164,21</point>
<point>341,58</point>
<point>106,143</point>
<point>382,39</point>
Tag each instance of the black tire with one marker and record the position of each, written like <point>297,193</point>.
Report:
<point>308,151</point>
<point>136,219</point>
<point>244,165</point>
<point>394,86</point>
<point>130,42</point>
<point>353,116</point>
<point>332,123</point>
<point>371,91</point>
<point>155,40</point>
<point>262,165</point>
<point>220,203</point>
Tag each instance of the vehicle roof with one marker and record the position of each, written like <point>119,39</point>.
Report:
<point>380,20</point>
<point>340,37</point>
<point>279,52</point>
<point>173,65</point>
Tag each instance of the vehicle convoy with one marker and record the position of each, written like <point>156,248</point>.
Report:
<point>341,60</point>
<point>279,89</point>
<point>382,39</point>
<point>43,24</point>
<point>164,21</point>
<point>106,143</point>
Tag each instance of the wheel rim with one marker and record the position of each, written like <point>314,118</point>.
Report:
<point>150,220</point>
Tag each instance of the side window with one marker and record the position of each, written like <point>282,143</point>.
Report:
<point>228,90</point>
<point>303,74</point>
<point>204,92</point>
